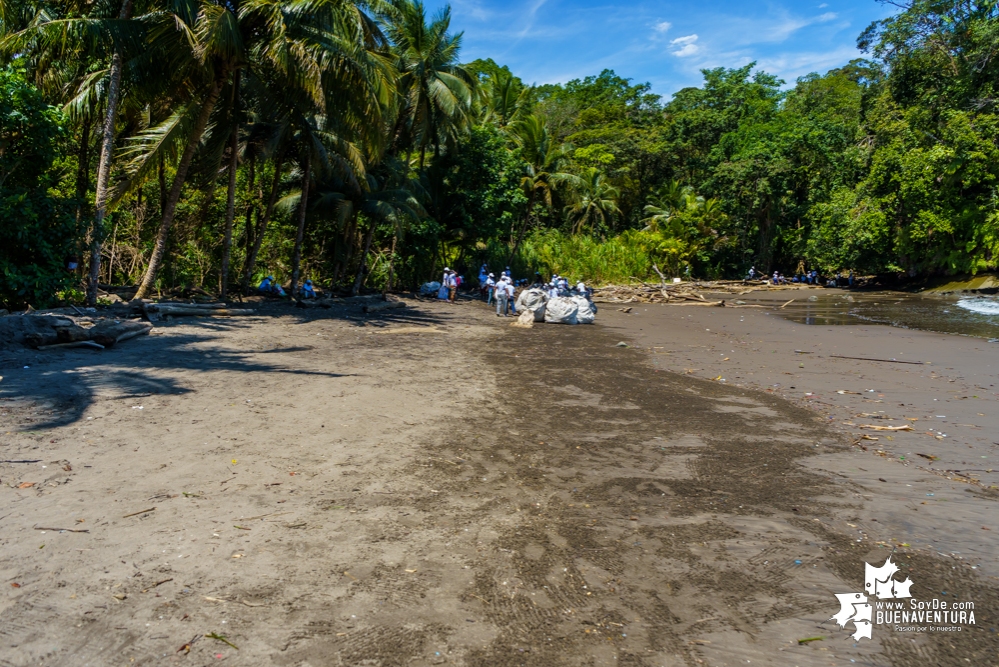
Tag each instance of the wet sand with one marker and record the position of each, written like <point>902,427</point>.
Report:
<point>435,487</point>
<point>949,400</point>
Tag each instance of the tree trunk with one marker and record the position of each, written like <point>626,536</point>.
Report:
<point>258,239</point>
<point>163,186</point>
<point>149,279</point>
<point>523,229</point>
<point>251,207</point>
<point>364,260</point>
<point>391,266</point>
<point>302,204</point>
<point>104,166</point>
<point>83,168</point>
<point>230,202</point>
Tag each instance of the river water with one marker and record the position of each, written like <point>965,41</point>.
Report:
<point>968,315</point>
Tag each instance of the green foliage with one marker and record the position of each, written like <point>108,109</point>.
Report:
<point>37,230</point>
<point>416,161</point>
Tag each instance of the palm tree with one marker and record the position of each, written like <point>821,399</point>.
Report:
<point>503,99</point>
<point>436,91</point>
<point>325,48</point>
<point>544,160</point>
<point>595,201</point>
<point>664,204</point>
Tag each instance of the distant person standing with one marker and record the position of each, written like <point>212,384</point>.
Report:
<point>850,278</point>
<point>502,297</point>
<point>452,286</point>
<point>752,272</point>
<point>490,284</point>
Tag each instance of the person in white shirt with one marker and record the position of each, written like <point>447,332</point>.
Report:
<point>581,289</point>
<point>502,297</point>
<point>552,291</point>
<point>490,289</point>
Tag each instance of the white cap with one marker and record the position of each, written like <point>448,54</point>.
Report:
<point>446,269</point>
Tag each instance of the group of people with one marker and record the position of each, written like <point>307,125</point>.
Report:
<point>449,285</point>
<point>804,277</point>
<point>271,287</point>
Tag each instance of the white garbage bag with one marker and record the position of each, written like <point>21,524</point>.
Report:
<point>533,299</point>
<point>561,310</point>
<point>587,310</point>
<point>429,289</point>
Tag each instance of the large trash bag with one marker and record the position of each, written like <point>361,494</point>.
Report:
<point>534,300</point>
<point>429,289</point>
<point>587,310</point>
<point>561,310</point>
<point>442,293</point>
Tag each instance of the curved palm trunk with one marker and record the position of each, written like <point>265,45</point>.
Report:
<point>362,269</point>
<point>149,278</point>
<point>302,204</point>
<point>258,239</point>
<point>104,166</point>
<point>230,208</point>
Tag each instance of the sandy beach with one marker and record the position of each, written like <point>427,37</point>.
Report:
<point>431,486</point>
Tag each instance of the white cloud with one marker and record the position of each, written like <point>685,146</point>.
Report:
<point>823,5</point>
<point>662,27</point>
<point>686,46</point>
<point>828,16</point>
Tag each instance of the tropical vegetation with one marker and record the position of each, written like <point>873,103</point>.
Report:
<point>208,143</point>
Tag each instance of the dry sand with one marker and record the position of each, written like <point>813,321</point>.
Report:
<point>434,487</point>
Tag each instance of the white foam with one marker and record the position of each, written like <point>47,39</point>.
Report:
<point>981,305</point>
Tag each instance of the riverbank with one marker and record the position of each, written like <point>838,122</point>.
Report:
<point>431,486</point>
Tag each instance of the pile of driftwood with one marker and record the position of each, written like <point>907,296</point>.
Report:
<point>53,332</point>
<point>683,293</point>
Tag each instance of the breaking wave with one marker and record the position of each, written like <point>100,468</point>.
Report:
<point>981,305</point>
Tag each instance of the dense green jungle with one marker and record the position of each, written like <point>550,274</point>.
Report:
<point>205,144</point>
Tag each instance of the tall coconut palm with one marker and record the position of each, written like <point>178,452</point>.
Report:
<point>436,90</point>
<point>595,200</point>
<point>324,47</point>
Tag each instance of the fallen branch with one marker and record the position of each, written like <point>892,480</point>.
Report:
<point>874,427</point>
<point>887,361</point>
<point>139,512</point>
<point>67,530</point>
<point>78,343</point>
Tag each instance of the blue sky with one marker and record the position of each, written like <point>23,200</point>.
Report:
<point>664,43</point>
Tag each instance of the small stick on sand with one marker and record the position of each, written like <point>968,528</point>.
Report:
<point>139,512</point>
<point>68,530</point>
<point>787,304</point>
<point>887,361</point>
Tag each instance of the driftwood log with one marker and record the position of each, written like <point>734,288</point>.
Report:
<point>385,305</point>
<point>109,332</point>
<point>193,309</point>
